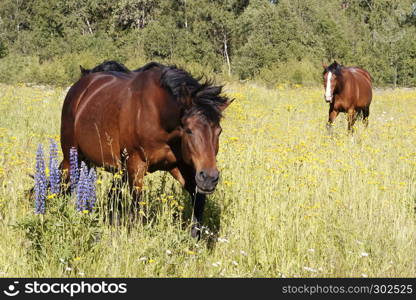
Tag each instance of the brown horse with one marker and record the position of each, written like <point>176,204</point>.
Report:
<point>347,89</point>
<point>157,118</point>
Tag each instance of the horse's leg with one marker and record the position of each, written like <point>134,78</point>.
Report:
<point>351,119</point>
<point>186,178</point>
<point>366,113</point>
<point>198,202</point>
<point>68,141</point>
<point>136,169</point>
<point>115,210</point>
<point>64,167</point>
<point>332,116</point>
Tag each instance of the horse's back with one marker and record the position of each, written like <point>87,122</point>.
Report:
<point>361,83</point>
<point>91,83</point>
<point>69,108</point>
<point>364,74</point>
<point>100,113</point>
<point>91,113</point>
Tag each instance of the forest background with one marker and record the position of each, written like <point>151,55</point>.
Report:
<point>274,42</point>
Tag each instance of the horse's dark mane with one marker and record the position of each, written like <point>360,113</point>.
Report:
<point>106,66</point>
<point>149,66</point>
<point>206,96</point>
<point>334,68</point>
<point>110,65</point>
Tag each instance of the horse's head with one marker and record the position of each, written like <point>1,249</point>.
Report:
<point>330,75</point>
<point>202,105</point>
<point>200,135</point>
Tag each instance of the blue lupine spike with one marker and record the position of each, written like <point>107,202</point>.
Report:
<point>82,189</point>
<point>92,196</point>
<point>40,182</point>
<point>53,151</point>
<point>55,178</point>
<point>54,173</point>
<point>73,169</point>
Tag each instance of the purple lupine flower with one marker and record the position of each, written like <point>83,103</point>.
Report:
<point>53,151</point>
<point>54,173</point>
<point>73,169</point>
<point>40,182</point>
<point>82,189</point>
<point>92,196</point>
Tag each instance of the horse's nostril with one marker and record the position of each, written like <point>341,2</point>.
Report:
<point>202,175</point>
<point>208,177</point>
<point>215,176</point>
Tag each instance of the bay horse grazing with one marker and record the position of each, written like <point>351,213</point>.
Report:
<point>158,118</point>
<point>108,65</point>
<point>347,89</point>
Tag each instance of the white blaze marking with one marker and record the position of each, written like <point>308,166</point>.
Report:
<point>328,86</point>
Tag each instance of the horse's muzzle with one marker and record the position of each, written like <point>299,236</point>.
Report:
<point>328,99</point>
<point>206,181</point>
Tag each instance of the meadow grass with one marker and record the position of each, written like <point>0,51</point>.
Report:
<point>293,201</point>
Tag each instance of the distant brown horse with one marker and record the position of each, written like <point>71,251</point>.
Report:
<point>156,118</point>
<point>347,89</point>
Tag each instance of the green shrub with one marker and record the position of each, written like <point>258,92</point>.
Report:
<point>298,72</point>
<point>3,49</point>
<point>16,68</point>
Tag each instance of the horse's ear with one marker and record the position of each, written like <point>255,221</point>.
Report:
<point>324,65</point>
<point>185,95</point>
<point>83,70</point>
<point>226,104</point>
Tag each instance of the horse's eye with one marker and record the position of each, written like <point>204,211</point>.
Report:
<point>188,131</point>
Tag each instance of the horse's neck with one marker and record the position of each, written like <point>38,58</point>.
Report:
<point>340,84</point>
<point>170,114</point>
<point>165,109</point>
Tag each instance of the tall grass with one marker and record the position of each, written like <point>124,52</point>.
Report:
<point>292,201</point>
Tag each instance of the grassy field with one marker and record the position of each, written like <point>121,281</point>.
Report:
<point>292,201</point>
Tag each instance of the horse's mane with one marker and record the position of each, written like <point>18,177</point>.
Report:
<point>334,68</point>
<point>149,66</point>
<point>207,98</point>
<point>105,66</point>
<point>110,65</point>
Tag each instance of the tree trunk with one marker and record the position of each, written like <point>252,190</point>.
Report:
<point>186,18</point>
<point>89,26</point>
<point>227,57</point>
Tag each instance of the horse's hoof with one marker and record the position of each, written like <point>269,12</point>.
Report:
<point>329,128</point>
<point>196,231</point>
